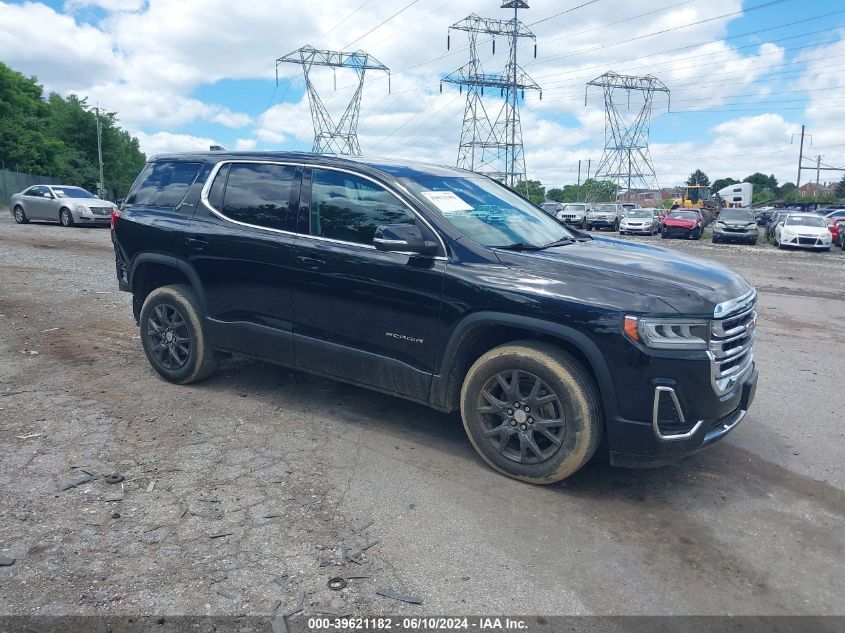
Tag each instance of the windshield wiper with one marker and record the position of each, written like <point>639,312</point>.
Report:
<point>561,242</point>
<point>519,246</point>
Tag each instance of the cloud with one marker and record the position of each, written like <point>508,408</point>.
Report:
<point>145,60</point>
<point>165,142</point>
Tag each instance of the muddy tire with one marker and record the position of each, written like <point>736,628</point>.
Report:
<point>532,411</point>
<point>173,336</point>
<point>20,215</point>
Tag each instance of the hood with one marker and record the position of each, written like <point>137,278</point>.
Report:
<point>806,230</point>
<point>88,202</point>
<point>629,276</point>
<point>679,222</point>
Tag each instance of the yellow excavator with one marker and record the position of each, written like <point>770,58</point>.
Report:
<point>699,197</point>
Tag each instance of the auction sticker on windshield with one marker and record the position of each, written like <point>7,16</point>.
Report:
<point>446,201</point>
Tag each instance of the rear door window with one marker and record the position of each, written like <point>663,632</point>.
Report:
<point>163,183</point>
<point>256,194</point>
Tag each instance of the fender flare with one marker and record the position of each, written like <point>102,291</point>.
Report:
<point>173,262</point>
<point>444,385</point>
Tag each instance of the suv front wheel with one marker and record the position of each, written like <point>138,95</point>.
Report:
<point>531,411</point>
<point>173,336</point>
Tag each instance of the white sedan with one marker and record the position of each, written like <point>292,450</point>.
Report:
<point>57,203</point>
<point>804,230</point>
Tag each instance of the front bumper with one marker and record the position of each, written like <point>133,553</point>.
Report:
<point>678,231</point>
<point>645,230</point>
<point>601,222</point>
<point>735,236</point>
<point>811,242</point>
<point>646,445</point>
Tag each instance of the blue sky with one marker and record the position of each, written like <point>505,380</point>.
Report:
<point>184,73</point>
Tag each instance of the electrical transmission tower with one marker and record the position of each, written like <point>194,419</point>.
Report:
<point>626,161</point>
<point>331,138</point>
<point>493,147</point>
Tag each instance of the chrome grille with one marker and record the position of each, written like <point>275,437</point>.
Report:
<point>101,210</point>
<point>731,342</point>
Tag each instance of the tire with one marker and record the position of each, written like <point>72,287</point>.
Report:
<point>65,217</point>
<point>663,235</point>
<point>542,371</point>
<point>696,234</point>
<point>20,215</point>
<point>589,227</point>
<point>186,355</point>
<point>752,242</point>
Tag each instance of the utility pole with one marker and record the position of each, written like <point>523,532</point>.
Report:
<point>101,189</point>
<point>626,161</point>
<point>800,158</point>
<point>578,186</point>
<point>818,169</point>
<point>331,137</point>
<point>488,146</point>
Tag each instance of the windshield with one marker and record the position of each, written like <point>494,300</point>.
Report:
<point>574,207</point>
<point>638,213</point>
<point>72,192</point>
<point>606,207</point>
<point>736,215</point>
<point>804,220</point>
<point>486,211</point>
<point>683,215</point>
<point>549,206</point>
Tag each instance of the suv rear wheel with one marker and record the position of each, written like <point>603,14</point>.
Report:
<point>531,411</point>
<point>173,336</point>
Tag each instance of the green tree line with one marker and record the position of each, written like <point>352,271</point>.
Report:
<point>56,136</point>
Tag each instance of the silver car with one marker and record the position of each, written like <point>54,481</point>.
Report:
<point>57,203</point>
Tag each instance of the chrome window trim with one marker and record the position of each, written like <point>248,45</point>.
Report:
<point>672,436</point>
<point>206,189</point>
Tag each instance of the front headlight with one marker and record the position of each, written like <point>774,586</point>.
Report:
<point>749,227</point>
<point>720,225</point>
<point>81,208</point>
<point>677,334</point>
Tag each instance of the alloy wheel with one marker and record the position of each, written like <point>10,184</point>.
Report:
<point>65,218</point>
<point>167,333</point>
<point>521,417</point>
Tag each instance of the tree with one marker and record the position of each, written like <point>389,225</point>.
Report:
<point>721,183</point>
<point>762,182</point>
<point>840,187</point>
<point>58,137</point>
<point>555,194</point>
<point>787,189</point>
<point>698,177</point>
<point>532,189</point>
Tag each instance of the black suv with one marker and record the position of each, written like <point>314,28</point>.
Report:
<point>443,287</point>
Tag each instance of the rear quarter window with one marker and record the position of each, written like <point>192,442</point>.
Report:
<point>163,183</point>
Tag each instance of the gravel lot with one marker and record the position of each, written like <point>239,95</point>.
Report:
<point>241,493</point>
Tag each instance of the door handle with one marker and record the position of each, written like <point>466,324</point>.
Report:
<point>311,263</point>
<point>196,243</point>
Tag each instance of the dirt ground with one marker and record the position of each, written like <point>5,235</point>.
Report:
<point>246,493</point>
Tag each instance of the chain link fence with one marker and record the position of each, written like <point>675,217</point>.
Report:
<point>15,181</point>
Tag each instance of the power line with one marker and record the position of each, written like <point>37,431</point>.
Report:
<point>381,24</point>
<point>661,32</point>
<point>344,20</point>
<point>551,17</point>
<point>723,39</point>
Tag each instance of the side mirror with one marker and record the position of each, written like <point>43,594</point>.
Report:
<point>119,201</point>
<point>49,195</point>
<point>403,238</point>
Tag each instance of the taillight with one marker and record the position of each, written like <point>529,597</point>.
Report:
<point>115,214</point>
